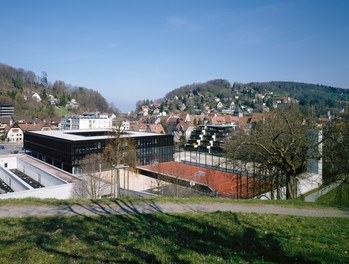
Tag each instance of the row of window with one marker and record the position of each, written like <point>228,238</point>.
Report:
<point>17,135</point>
<point>155,141</point>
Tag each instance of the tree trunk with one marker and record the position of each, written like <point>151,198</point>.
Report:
<point>117,183</point>
<point>291,187</point>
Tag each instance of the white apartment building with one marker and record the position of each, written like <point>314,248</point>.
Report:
<point>87,121</point>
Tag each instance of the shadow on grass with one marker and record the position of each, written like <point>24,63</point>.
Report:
<point>102,208</point>
<point>116,237</point>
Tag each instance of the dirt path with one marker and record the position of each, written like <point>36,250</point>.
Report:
<point>121,207</point>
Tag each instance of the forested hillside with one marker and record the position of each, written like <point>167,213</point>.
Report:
<point>36,97</point>
<point>320,96</point>
<point>255,95</point>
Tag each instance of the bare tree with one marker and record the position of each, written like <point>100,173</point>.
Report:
<point>92,183</point>
<point>336,152</point>
<point>120,152</point>
<point>283,142</point>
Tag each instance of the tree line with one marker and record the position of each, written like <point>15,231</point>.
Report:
<point>17,87</point>
<point>320,97</point>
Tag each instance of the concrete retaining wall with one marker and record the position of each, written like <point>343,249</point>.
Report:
<point>58,192</point>
<point>38,174</point>
<point>13,180</point>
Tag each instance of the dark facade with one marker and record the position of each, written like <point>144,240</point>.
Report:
<point>67,152</point>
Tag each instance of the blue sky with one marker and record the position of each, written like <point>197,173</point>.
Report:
<point>131,50</point>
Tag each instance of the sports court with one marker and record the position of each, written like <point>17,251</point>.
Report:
<point>227,184</point>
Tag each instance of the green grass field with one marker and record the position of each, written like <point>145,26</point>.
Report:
<point>61,111</point>
<point>221,237</point>
<point>336,197</point>
<point>175,238</point>
<point>298,203</point>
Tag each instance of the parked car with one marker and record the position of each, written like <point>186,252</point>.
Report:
<point>14,152</point>
<point>2,147</point>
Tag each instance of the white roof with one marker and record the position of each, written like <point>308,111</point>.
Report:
<point>72,134</point>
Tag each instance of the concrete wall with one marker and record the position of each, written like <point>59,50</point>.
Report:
<point>9,161</point>
<point>38,174</point>
<point>307,183</point>
<point>310,182</point>
<point>58,192</point>
<point>54,186</point>
<point>13,181</point>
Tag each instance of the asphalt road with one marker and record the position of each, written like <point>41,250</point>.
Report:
<point>146,207</point>
<point>9,148</point>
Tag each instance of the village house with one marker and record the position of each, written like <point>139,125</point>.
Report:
<point>5,122</point>
<point>14,134</point>
<point>139,127</point>
<point>123,123</point>
<point>182,107</point>
<point>52,100</point>
<point>185,117</point>
<point>36,97</point>
<point>184,129</point>
<point>219,105</point>
<point>155,128</point>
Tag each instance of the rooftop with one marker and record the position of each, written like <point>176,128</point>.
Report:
<point>227,184</point>
<point>89,134</point>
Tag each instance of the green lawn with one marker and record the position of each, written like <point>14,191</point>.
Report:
<point>175,238</point>
<point>61,111</point>
<point>298,203</point>
<point>337,197</point>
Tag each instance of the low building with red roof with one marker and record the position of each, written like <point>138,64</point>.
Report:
<point>216,182</point>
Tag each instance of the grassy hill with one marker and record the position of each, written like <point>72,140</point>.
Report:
<point>220,237</point>
<point>337,197</point>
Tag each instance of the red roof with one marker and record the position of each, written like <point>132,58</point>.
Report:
<point>31,127</point>
<point>258,117</point>
<point>227,184</point>
<point>156,128</point>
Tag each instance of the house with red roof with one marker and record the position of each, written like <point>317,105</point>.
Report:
<point>155,128</point>
<point>185,129</point>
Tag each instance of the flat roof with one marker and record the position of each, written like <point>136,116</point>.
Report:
<point>73,135</point>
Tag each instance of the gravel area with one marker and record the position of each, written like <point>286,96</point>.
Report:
<point>121,207</point>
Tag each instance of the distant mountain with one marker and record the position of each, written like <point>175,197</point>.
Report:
<point>257,96</point>
<point>36,97</point>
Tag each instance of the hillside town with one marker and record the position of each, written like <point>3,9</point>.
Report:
<point>176,116</point>
<point>193,123</point>
<point>186,132</point>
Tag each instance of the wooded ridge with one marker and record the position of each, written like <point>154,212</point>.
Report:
<point>34,96</point>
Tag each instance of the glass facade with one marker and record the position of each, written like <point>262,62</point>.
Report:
<point>67,154</point>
